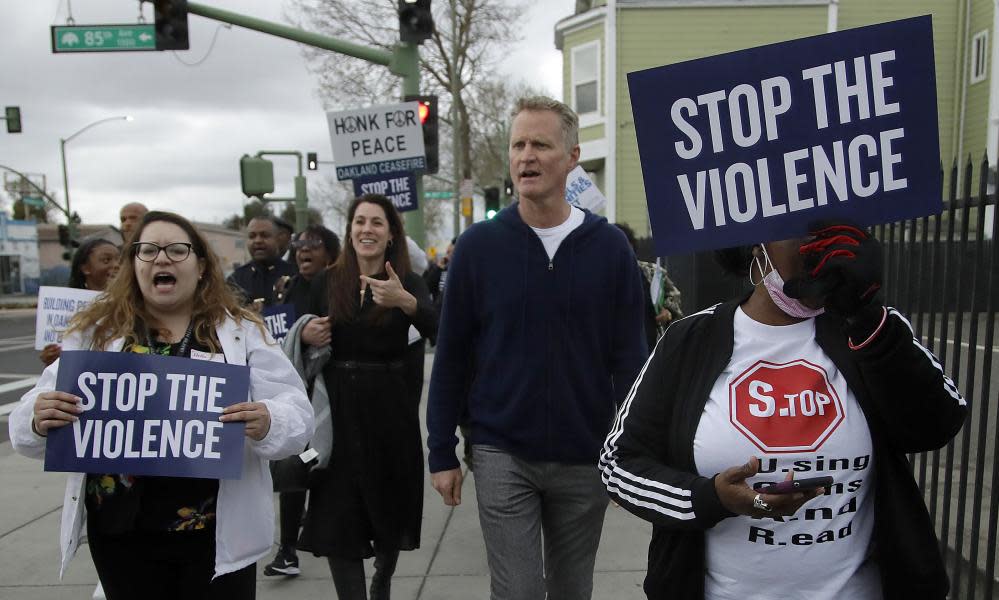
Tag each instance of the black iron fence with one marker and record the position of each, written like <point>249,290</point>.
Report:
<point>939,270</point>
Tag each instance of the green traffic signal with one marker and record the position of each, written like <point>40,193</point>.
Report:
<point>491,195</point>
<point>256,175</point>
<point>13,117</point>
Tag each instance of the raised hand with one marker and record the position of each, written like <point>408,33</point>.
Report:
<point>389,292</point>
<point>842,266</point>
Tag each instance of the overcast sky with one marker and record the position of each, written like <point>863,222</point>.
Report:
<point>191,124</point>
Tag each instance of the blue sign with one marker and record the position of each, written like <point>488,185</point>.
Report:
<point>278,319</point>
<point>751,146</point>
<point>149,415</point>
<point>400,188</point>
<point>382,168</point>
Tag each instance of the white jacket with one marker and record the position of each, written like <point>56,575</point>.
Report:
<point>244,513</point>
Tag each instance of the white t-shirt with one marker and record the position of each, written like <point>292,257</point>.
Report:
<point>553,236</point>
<point>783,400</point>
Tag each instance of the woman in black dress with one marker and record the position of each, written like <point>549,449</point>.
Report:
<point>369,502</point>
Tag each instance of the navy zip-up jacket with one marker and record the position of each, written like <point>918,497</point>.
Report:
<point>536,353</point>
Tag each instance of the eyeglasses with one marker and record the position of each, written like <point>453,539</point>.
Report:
<point>148,251</point>
<point>306,244</point>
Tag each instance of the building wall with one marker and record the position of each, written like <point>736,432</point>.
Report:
<point>653,37</point>
<point>976,115</point>
<point>947,26</point>
<point>19,241</point>
<point>589,33</point>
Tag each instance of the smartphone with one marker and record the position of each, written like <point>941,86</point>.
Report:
<point>797,485</point>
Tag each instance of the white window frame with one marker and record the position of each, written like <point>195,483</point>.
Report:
<point>979,56</point>
<point>573,83</point>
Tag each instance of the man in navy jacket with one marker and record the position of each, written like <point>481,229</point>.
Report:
<point>541,335</point>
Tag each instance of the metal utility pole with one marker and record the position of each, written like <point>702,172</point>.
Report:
<point>404,61</point>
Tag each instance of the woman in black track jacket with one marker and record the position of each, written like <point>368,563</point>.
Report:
<point>787,391</point>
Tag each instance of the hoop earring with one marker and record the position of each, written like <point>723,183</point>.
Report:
<point>389,244</point>
<point>756,261</point>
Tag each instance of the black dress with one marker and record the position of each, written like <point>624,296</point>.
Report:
<point>372,491</point>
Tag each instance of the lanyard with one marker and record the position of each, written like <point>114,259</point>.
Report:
<point>185,341</point>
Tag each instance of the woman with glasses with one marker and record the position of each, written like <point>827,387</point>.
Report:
<point>94,264</point>
<point>315,249</point>
<point>174,537</point>
<point>369,501</point>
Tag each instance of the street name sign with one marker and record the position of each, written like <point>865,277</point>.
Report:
<point>377,140</point>
<point>103,38</point>
<point>438,195</point>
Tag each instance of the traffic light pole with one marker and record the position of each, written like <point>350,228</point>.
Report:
<point>44,194</point>
<point>301,199</point>
<point>403,61</point>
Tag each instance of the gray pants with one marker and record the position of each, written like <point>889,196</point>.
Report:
<point>522,503</point>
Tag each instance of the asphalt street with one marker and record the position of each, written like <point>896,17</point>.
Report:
<point>19,364</point>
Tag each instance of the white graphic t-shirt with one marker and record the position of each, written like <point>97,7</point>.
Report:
<point>783,400</point>
<point>552,236</point>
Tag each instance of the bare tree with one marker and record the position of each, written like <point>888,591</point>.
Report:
<point>459,65</point>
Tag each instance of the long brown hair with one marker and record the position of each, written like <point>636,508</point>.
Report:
<point>122,309</point>
<point>344,277</point>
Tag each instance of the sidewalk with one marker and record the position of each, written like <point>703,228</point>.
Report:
<point>8,301</point>
<point>450,565</point>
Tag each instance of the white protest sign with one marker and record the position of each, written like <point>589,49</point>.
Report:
<point>377,140</point>
<point>56,306</point>
<point>582,192</point>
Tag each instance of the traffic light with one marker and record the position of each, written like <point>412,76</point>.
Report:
<point>492,201</point>
<point>312,161</point>
<point>63,235</point>
<point>256,175</point>
<point>429,121</point>
<point>171,24</point>
<point>416,23</point>
<point>508,188</point>
<point>13,116</point>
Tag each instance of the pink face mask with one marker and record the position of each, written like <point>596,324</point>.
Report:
<point>774,283</point>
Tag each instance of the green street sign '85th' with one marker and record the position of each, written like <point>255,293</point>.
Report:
<point>103,38</point>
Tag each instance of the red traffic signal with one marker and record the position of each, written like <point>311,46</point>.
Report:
<point>428,119</point>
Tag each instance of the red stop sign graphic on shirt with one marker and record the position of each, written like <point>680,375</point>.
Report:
<point>785,407</point>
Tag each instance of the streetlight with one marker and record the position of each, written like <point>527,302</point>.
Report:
<point>62,153</point>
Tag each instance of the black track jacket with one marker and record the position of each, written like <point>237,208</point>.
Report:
<point>647,462</point>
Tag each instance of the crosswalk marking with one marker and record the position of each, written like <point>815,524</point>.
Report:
<point>12,386</point>
<point>18,347</point>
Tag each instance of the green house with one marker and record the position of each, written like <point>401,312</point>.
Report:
<point>606,39</point>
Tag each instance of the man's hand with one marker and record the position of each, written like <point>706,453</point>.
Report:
<point>448,485</point>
